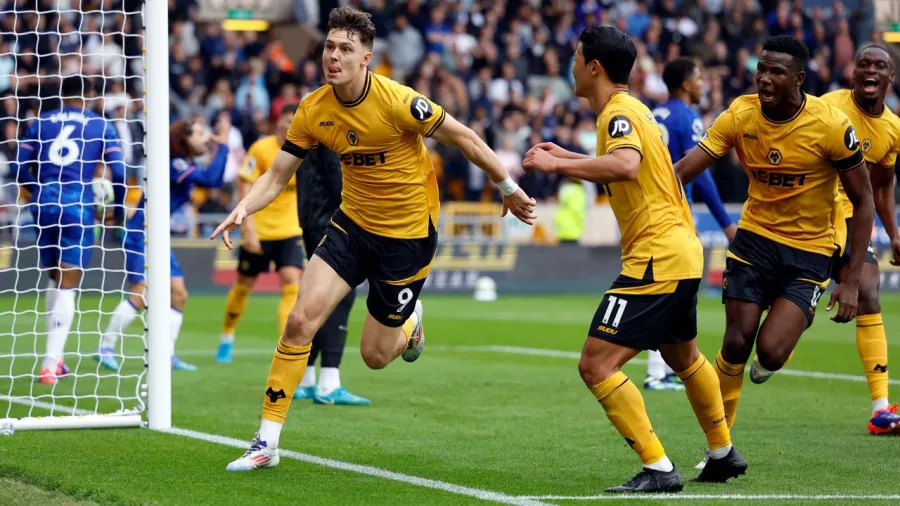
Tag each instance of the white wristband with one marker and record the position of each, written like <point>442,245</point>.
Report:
<point>507,187</point>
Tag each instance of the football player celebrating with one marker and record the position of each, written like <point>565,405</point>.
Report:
<point>878,130</point>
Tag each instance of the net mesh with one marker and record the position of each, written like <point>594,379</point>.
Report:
<point>74,210</point>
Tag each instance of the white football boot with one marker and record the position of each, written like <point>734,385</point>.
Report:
<point>417,340</point>
<point>258,456</point>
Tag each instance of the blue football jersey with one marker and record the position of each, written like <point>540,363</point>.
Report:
<point>184,175</point>
<point>61,150</point>
<point>682,130</point>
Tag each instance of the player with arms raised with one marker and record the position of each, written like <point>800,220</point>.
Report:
<point>653,302</point>
<point>385,229</point>
<point>794,148</point>
<point>682,129</point>
<point>272,236</point>
<point>63,148</point>
<point>878,130</point>
<point>187,141</point>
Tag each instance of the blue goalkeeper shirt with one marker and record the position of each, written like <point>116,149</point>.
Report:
<point>56,161</point>
<point>682,129</point>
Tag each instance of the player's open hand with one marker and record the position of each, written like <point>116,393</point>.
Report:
<point>847,297</point>
<point>895,249</point>
<point>540,159</point>
<point>521,205</point>
<point>233,221</point>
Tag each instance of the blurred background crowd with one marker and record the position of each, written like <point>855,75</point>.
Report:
<point>503,67</point>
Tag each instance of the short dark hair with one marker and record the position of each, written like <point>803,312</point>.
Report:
<point>289,108</point>
<point>875,46</point>
<point>74,87</point>
<point>355,22</point>
<point>677,71</point>
<point>612,48</point>
<point>789,45</point>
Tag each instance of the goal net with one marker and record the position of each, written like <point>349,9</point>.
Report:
<point>72,173</point>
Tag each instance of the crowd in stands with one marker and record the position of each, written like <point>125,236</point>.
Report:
<point>501,66</point>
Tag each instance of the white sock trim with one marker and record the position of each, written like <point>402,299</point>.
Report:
<point>59,325</point>
<point>879,404</point>
<point>656,366</point>
<point>270,432</point>
<point>176,318</point>
<point>663,464</point>
<point>309,377</point>
<point>720,453</point>
<point>122,317</point>
<point>329,380</point>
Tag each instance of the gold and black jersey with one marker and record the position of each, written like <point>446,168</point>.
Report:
<point>879,136</point>
<point>389,185</point>
<point>792,166</point>
<point>279,219</point>
<point>654,219</point>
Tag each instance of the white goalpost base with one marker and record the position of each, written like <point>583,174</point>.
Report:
<point>111,421</point>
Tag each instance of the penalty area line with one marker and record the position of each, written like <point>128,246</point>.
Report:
<point>477,493</point>
<point>693,497</point>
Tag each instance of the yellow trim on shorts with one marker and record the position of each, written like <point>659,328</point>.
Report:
<point>339,228</point>
<point>654,288</point>
<point>821,284</point>
<point>729,254</point>
<point>421,274</point>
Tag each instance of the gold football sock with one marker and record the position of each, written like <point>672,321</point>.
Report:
<point>288,299</point>
<point>731,379</point>
<point>625,409</point>
<point>702,387</point>
<point>288,367</point>
<point>871,342</point>
<point>234,307</point>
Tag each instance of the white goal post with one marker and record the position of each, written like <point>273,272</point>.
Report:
<point>121,49</point>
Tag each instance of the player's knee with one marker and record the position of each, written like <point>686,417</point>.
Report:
<point>137,301</point>
<point>868,297</point>
<point>773,359</point>
<point>593,371</point>
<point>179,296</point>
<point>375,358</point>
<point>738,342</point>
<point>300,328</point>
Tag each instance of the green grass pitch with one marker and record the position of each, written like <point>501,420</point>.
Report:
<point>472,412</point>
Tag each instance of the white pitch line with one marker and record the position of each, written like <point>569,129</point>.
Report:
<point>484,495</point>
<point>733,497</point>
<point>49,406</point>
<point>542,352</point>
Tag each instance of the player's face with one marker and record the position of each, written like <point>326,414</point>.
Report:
<point>873,74</point>
<point>581,73</point>
<point>777,78</point>
<point>695,85</point>
<point>344,57</point>
<point>199,139</point>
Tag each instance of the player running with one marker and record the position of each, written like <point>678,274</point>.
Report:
<point>385,229</point>
<point>878,130</point>
<point>187,141</point>
<point>653,302</point>
<point>56,162</point>
<point>682,129</point>
<point>272,236</point>
<point>320,196</point>
<point>794,147</point>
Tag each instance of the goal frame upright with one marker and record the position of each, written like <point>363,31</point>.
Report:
<point>158,247</point>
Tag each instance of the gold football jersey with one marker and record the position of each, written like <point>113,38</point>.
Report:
<point>655,222</point>
<point>879,136</point>
<point>279,219</point>
<point>390,188</point>
<point>792,166</point>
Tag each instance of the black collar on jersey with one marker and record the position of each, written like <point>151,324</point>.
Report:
<point>853,98</point>
<point>362,97</point>
<point>792,118</point>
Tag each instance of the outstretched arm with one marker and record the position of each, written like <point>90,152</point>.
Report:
<point>262,193</point>
<point>693,164</point>
<point>453,133</point>
<point>619,165</point>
